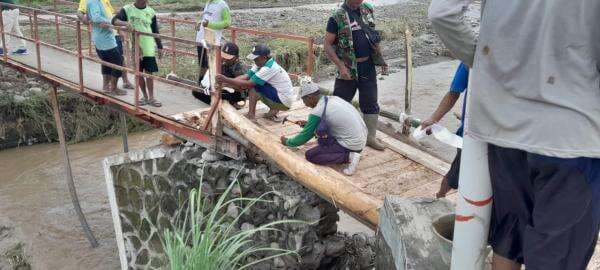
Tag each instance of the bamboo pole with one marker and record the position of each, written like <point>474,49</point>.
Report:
<point>214,64</point>
<point>409,72</point>
<point>326,182</point>
<point>124,133</point>
<point>69,174</point>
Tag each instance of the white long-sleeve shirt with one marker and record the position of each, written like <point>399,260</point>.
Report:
<point>535,82</point>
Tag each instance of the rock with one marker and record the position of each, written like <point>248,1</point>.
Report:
<point>247,226</point>
<point>232,210</point>
<point>19,98</point>
<point>307,213</point>
<point>211,156</point>
<point>335,247</point>
<point>35,90</point>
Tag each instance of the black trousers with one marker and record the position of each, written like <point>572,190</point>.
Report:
<point>232,98</point>
<point>366,84</point>
<point>545,210</point>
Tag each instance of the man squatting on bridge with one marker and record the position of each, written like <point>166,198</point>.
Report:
<point>341,132</point>
<point>352,44</point>
<point>534,97</point>
<point>216,16</point>
<point>266,80</point>
<point>106,45</point>
<point>459,85</point>
<point>231,67</point>
<point>10,15</point>
<point>110,12</point>
<point>142,18</point>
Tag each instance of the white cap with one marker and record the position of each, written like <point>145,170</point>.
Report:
<point>307,87</point>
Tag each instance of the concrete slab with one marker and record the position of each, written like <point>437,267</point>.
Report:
<point>406,237</point>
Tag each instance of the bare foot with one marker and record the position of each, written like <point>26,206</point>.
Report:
<point>444,189</point>
<point>252,117</point>
<point>128,85</point>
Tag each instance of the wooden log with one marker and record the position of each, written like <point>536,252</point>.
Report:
<point>324,181</point>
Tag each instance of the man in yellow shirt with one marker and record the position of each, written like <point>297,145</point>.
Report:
<point>82,15</point>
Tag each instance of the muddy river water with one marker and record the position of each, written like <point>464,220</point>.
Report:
<point>35,199</point>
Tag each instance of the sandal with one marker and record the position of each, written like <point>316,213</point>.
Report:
<point>143,102</point>
<point>273,118</point>
<point>119,92</point>
<point>154,102</point>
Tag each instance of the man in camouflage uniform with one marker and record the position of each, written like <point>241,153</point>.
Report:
<point>351,43</point>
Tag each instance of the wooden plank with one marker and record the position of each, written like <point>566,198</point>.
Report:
<point>437,165</point>
<point>375,173</point>
<point>371,158</point>
<point>410,177</point>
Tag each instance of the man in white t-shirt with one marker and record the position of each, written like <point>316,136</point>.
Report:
<point>266,80</point>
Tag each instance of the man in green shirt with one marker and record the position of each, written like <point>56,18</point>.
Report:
<point>142,18</point>
<point>340,130</point>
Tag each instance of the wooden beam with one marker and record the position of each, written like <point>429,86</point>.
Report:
<point>435,164</point>
<point>326,182</point>
<point>214,66</point>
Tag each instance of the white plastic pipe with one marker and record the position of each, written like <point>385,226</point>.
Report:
<point>473,207</point>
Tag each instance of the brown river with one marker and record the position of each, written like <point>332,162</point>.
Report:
<point>34,198</point>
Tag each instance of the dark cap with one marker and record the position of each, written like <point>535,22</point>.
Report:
<point>230,51</point>
<point>259,50</point>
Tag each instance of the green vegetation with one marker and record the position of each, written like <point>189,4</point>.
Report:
<point>16,257</point>
<point>33,119</point>
<point>207,239</point>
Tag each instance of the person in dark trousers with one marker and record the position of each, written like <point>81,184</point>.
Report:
<point>82,12</point>
<point>534,98</point>
<point>142,18</point>
<point>352,44</point>
<point>459,85</point>
<point>106,45</point>
<point>232,67</point>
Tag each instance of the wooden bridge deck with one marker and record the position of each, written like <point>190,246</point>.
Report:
<point>175,99</point>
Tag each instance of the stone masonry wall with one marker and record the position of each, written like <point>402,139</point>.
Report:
<point>151,192</point>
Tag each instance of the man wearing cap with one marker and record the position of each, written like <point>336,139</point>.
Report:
<point>266,80</point>
<point>231,67</point>
<point>340,130</point>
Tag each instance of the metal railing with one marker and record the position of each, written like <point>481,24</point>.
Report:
<point>173,51</point>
